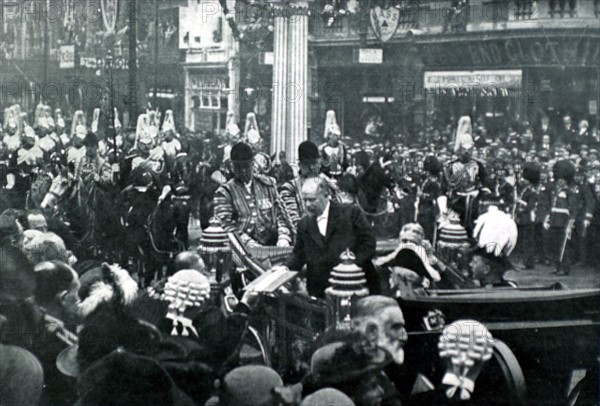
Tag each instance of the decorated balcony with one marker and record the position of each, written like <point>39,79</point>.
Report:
<point>351,20</point>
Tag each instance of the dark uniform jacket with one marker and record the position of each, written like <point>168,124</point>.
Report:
<point>347,228</point>
<point>527,204</point>
<point>563,205</point>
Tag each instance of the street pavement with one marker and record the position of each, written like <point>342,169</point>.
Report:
<point>580,277</point>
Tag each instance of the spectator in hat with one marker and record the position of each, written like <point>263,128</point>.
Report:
<point>582,137</point>
<point>351,366</point>
<point>291,191</point>
<point>567,131</point>
<point>21,376</point>
<point>123,378</point>
<point>248,385</point>
<point>250,204</point>
<point>282,171</point>
<point>57,286</point>
<point>17,307</point>
<point>40,246</point>
<point>11,230</point>
<point>327,396</point>
<point>545,134</point>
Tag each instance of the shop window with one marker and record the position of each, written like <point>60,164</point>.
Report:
<point>562,8</point>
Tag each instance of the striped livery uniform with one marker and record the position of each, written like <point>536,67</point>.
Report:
<point>253,211</point>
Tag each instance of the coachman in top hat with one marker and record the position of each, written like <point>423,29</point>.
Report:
<point>250,205</point>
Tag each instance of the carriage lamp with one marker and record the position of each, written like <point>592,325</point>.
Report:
<point>215,251</point>
<point>347,282</point>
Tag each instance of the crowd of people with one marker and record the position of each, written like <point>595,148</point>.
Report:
<point>78,330</point>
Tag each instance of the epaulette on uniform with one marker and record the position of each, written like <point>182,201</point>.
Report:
<point>267,180</point>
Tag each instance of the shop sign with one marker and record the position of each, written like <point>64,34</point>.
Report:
<point>268,58</point>
<point>505,79</point>
<point>67,57</point>
<point>593,107</point>
<point>99,63</point>
<point>373,99</point>
<point>370,55</point>
<point>549,51</point>
<point>384,21</point>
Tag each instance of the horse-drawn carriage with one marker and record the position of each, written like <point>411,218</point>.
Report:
<point>546,339</point>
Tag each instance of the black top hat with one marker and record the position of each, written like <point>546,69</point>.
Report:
<point>308,150</point>
<point>241,152</point>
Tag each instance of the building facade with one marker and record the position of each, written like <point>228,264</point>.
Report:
<point>55,51</point>
<point>499,61</point>
<point>211,65</point>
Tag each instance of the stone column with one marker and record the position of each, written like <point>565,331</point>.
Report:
<point>280,60</point>
<point>290,78</point>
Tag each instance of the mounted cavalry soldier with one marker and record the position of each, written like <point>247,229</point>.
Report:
<point>92,167</point>
<point>333,152</point>
<point>250,205</point>
<point>44,127</point>
<point>28,161</point>
<point>12,127</point>
<point>170,142</point>
<point>145,155</point>
<point>61,130</point>
<point>78,132</point>
<point>463,178</point>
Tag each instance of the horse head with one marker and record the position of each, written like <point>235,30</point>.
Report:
<point>373,182</point>
<point>59,188</point>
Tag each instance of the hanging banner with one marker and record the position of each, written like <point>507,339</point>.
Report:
<point>110,11</point>
<point>67,57</point>
<point>384,22</point>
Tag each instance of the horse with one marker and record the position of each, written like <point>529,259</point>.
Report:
<point>87,211</point>
<point>151,218</point>
<point>376,189</point>
<point>205,177</point>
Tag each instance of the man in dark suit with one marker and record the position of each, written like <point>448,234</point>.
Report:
<point>328,229</point>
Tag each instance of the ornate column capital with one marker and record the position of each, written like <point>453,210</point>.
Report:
<point>291,8</point>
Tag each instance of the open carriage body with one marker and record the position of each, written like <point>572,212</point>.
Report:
<point>546,338</point>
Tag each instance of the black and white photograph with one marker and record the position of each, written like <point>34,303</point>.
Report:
<point>299,202</point>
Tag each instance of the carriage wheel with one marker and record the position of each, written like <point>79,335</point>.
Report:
<point>511,371</point>
<point>254,349</point>
<point>586,390</point>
